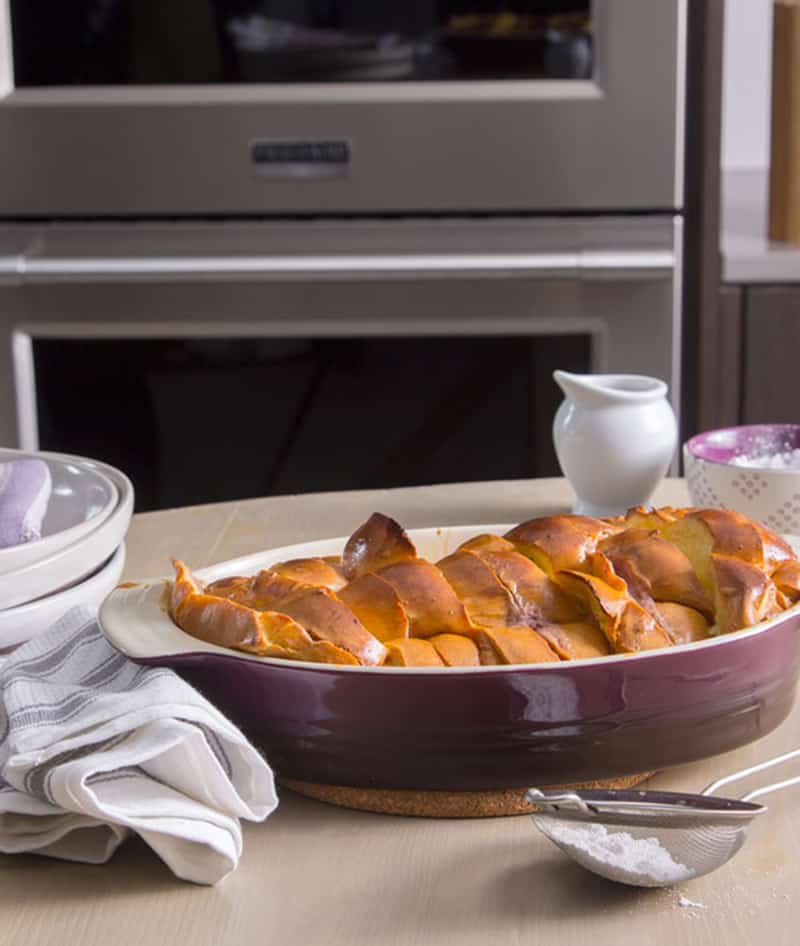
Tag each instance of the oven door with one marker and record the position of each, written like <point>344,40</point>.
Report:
<point>443,113</point>
<point>416,353</point>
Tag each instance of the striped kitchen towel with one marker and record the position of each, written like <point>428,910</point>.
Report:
<point>94,746</point>
<point>25,487</point>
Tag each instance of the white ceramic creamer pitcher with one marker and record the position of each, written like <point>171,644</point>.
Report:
<point>615,435</point>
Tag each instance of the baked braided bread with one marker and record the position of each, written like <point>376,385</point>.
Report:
<point>554,588</point>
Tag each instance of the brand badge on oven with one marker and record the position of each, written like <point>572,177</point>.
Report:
<point>285,157</point>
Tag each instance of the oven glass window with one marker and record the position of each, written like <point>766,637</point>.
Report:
<point>128,42</point>
<point>212,420</point>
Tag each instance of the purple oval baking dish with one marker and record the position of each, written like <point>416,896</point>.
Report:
<point>482,728</point>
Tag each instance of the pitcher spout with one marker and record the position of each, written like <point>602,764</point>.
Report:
<point>579,388</point>
<point>597,389</point>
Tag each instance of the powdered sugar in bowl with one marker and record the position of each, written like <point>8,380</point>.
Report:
<point>754,469</point>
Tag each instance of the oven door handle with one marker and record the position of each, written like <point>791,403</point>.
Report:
<point>586,264</point>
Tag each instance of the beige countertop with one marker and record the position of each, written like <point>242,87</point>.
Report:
<point>748,255</point>
<point>313,874</point>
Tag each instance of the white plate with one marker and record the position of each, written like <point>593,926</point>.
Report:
<point>136,622</point>
<point>77,560</point>
<point>81,498</point>
<point>20,624</point>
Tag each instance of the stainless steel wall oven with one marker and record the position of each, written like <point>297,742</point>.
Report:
<point>143,107</point>
<point>343,243</point>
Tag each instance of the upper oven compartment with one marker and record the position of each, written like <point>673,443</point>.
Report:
<point>211,107</point>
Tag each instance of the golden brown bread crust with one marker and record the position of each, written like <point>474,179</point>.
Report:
<point>266,633</point>
<point>379,542</point>
<point>577,640</point>
<point>683,624</point>
<point>626,624</point>
<point>377,605</point>
<point>456,650</point>
<point>431,604</point>
<point>238,589</point>
<point>486,599</point>
<point>325,617</point>
<point>651,520</point>
<point>321,572</point>
<point>725,532</point>
<point>537,598</point>
<point>486,542</point>
<point>744,595</point>
<point>513,645</point>
<point>735,560</point>
<point>666,572</point>
<point>559,542</point>
<point>210,618</point>
<point>317,610</point>
<point>556,588</point>
<point>412,652</point>
<point>787,580</point>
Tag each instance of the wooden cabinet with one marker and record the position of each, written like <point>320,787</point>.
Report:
<point>770,389</point>
<point>752,369</point>
<point>719,397</point>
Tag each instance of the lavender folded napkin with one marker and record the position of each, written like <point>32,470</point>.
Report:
<point>93,746</point>
<point>25,487</point>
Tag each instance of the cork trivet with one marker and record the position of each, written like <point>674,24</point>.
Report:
<point>421,804</point>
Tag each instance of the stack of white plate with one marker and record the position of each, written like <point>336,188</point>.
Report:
<point>80,556</point>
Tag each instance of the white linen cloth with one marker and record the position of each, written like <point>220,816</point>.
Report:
<point>25,487</point>
<point>94,746</point>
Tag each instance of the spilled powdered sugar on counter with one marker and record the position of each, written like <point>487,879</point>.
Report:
<point>640,861</point>
<point>688,904</point>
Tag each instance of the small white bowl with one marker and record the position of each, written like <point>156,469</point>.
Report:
<point>78,560</point>
<point>769,495</point>
<point>20,624</point>
<point>81,499</point>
